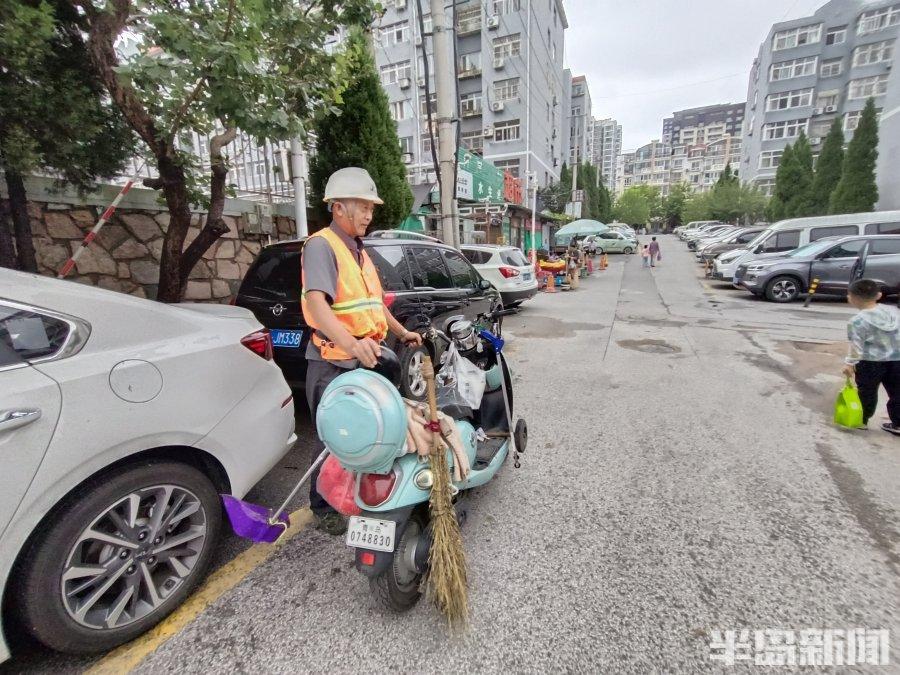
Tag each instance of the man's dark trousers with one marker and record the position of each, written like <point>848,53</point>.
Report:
<point>870,374</point>
<point>319,375</point>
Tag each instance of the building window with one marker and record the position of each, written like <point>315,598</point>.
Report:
<point>392,73</point>
<point>470,104</point>
<point>832,68</point>
<point>769,159</point>
<point>507,46</point>
<point>508,90</point>
<point>473,141</point>
<point>789,99</point>
<point>788,129</point>
<point>878,19</point>
<point>795,37</point>
<point>406,145</point>
<point>785,70</point>
<point>577,90</point>
<point>877,52</point>
<point>470,64</point>
<point>576,111</point>
<point>468,20</point>
<point>836,36</point>
<point>506,131</point>
<point>426,24</point>
<point>511,165</point>
<point>395,34</point>
<point>851,119</point>
<point>431,105</point>
<point>506,6</point>
<point>400,110</point>
<point>867,86</point>
<point>827,99</point>
<point>426,145</point>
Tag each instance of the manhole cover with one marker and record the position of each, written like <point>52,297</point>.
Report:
<point>649,346</point>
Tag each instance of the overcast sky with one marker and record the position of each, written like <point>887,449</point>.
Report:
<point>645,59</point>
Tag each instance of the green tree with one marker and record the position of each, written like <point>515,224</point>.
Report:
<point>675,204</point>
<point>638,204</point>
<point>781,193</point>
<point>799,200</point>
<point>214,67</point>
<point>53,116</point>
<point>727,177</point>
<point>363,134</point>
<point>856,192</point>
<point>696,207</point>
<point>828,168</point>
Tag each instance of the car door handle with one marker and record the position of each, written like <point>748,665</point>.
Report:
<point>13,419</point>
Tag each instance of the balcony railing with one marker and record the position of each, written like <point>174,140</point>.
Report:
<point>468,25</point>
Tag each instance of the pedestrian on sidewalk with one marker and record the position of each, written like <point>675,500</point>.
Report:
<point>874,357</point>
<point>645,255</point>
<point>654,252</point>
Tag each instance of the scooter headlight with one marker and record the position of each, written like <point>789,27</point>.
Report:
<point>424,479</point>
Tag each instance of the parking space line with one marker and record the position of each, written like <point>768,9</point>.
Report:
<point>129,656</point>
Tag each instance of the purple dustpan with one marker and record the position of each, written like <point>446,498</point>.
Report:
<point>252,522</point>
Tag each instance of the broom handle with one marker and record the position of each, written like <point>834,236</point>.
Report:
<point>428,375</point>
<point>273,519</point>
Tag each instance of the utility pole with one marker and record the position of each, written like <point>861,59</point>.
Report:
<point>299,188</point>
<point>532,178</point>
<point>444,85</point>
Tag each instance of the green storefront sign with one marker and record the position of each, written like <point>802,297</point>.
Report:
<point>478,179</point>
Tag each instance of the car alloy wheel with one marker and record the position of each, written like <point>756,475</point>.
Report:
<point>414,378</point>
<point>783,290</point>
<point>133,556</point>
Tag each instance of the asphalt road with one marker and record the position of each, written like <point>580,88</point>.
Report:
<point>682,477</point>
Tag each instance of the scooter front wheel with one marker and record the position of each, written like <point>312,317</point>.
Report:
<point>397,587</point>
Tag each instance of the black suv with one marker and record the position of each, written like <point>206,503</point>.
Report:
<point>425,283</point>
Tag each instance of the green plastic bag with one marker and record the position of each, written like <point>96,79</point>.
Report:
<point>848,410</point>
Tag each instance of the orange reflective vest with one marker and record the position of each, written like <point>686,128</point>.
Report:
<point>357,304</point>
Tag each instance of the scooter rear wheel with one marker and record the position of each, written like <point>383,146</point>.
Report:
<point>397,588</point>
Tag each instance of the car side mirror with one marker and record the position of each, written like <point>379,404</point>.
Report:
<point>484,285</point>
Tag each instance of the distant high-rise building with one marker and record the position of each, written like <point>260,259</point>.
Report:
<point>648,165</point>
<point>579,121</point>
<point>814,70</point>
<point>512,92</point>
<point>704,141</point>
<point>606,146</point>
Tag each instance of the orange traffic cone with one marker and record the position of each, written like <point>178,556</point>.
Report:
<point>590,266</point>
<point>551,283</point>
<point>604,261</point>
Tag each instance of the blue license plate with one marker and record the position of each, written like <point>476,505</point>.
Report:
<point>287,338</point>
<point>526,276</point>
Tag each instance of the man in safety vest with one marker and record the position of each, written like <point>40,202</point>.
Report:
<point>342,302</point>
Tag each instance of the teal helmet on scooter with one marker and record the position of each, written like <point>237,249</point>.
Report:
<point>362,418</point>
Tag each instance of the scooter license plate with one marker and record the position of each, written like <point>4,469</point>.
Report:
<point>372,534</point>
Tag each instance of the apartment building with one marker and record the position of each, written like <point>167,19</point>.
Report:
<point>579,121</point>
<point>814,70</point>
<point>510,83</point>
<point>648,165</point>
<point>606,146</point>
<point>695,126</point>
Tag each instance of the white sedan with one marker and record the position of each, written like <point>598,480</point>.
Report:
<point>121,422</point>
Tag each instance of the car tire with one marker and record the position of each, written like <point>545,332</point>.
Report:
<point>48,602</point>
<point>599,251</point>
<point>412,384</point>
<point>783,289</point>
<point>628,250</point>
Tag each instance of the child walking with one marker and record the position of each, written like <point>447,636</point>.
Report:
<point>874,357</point>
<point>645,255</point>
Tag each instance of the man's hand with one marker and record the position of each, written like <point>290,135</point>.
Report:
<point>412,339</point>
<point>849,370</point>
<point>366,351</point>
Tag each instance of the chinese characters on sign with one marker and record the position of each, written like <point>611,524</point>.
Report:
<point>485,179</point>
<point>804,647</point>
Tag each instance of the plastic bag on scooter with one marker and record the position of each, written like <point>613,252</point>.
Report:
<point>338,487</point>
<point>463,376</point>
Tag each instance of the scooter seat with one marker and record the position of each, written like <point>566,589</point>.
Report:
<point>457,411</point>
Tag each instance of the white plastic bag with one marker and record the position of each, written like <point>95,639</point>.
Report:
<point>463,375</point>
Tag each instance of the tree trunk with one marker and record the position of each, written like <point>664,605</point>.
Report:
<point>7,248</point>
<point>18,206</point>
<point>176,195</point>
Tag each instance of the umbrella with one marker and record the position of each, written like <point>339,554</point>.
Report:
<point>576,228</point>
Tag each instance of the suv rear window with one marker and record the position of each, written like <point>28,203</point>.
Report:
<point>275,274</point>
<point>428,268</point>
<point>513,257</point>
<point>477,257</point>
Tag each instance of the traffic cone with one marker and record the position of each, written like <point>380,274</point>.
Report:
<point>590,266</point>
<point>605,260</point>
<point>551,283</point>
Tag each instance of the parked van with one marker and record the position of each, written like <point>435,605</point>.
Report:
<point>793,233</point>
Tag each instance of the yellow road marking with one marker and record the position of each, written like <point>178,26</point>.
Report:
<point>129,656</point>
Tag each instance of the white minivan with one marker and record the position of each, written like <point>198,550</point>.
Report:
<point>787,235</point>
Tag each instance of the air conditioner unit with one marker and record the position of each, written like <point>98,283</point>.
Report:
<point>260,220</point>
<point>818,111</point>
<point>407,158</point>
<point>499,63</point>
<point>400,4</point>
<point>493,22</point>
<point>421,81</point>
<point>418,41</point>
<point>487,131</point>
<point>830,108</point>
<point>497,106</point>
<point>404,83</point>
<point>815,140</point>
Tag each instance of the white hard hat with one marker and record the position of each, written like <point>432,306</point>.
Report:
<point>351,183</point>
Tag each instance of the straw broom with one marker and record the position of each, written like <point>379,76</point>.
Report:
<point>446,579</point>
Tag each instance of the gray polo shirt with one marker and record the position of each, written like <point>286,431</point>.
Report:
<point>321,274</point>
